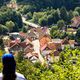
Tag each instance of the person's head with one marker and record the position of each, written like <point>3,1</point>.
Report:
<point>9,66</point>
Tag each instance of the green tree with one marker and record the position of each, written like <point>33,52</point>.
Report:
<point>52,30</point>
<point>50,19</point>
<point>24,29</point>
<point>28,8</point>
<point>56,16</point>
<point>70,16</point>
<point>10,25</point>
<point>35,18</point>
<point>1,43</point>
<point>2,2</point>
<point>3,29</point>
<point>20,56</point>
<point>63,35</point>
<point>63,14</point>
<point>28,70</point>
<point>61,24</point>
<point>29,16</point>
<point>75,13</point>
<point>78,36</point>
<point>7,14</point>
<point>43,21</point>
<point>71,36</point>
<point>77,9</point>
<point>18,20</point>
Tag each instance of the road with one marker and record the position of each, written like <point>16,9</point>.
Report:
<point>29,23</point>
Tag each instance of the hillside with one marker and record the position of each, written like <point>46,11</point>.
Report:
<point>39,4</point>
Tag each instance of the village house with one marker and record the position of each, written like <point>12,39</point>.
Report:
<point>23,35</point>
<point>14,35</point>
<point>58,43</point>
<point>71,31</point>
<point>50,51</point>
<point>44,41</point>
<point>69,43</point>
<point>17,46</point>
<point>49,48</point>
<point>75,22</point>
<point>30,54</point>
<point>28,49</point>
<point>13,5</point>
<point>20,35</point>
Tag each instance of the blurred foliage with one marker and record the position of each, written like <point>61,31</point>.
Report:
<point>68,67</point>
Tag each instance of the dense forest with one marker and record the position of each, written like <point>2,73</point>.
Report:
<point>69,4</point>
<point>39,4</point>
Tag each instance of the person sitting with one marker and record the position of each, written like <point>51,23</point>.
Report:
<point>9,68</point>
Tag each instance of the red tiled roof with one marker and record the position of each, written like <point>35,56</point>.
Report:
<point>27,41</point>
<point>65,41</point>
<point>11,43</point>
<point>23,44</point>
<point>43,47</point>
<point>35,54</point>
<point>29,48</point>
<point>28,55</point>
<point>22,34</point>
<point>51,46</point>
<point>14,42</point>
<point>44,41</point>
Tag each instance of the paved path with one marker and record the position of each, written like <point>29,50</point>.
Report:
<point>29,23</point>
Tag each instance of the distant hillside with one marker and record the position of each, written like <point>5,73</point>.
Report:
<point>69,4</point>
<point>2,2</point>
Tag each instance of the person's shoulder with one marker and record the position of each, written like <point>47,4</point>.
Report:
<point>1,75</point>
<point>20,76</point>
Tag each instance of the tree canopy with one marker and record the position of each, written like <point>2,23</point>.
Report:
<point>69,4</point>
